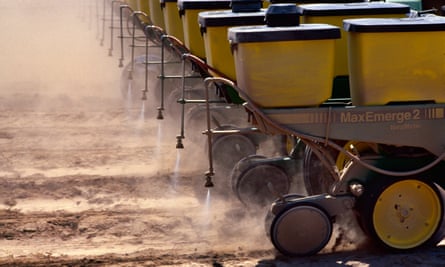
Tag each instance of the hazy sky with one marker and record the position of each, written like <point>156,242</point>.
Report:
<point>53,45</point>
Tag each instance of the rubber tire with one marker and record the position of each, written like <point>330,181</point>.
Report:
<point>268,219</point>
<point>229,149</point>
<point>317,178</point>
<point>241,166</point>
<point>251,187</point>
<point>301,230</point>
<point>196,122</point>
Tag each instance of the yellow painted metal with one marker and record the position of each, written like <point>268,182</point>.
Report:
<point>383,69</point>
<point>407,214</point>
<point>355,148</point>
<point>192,35</point>
<point>341,49</point>
<point>133,4</point>
<point>286,73</point>
<point>156,14</point>
<point>172,20</point>
<point>217,51</point>
<point>369,10</point>
<point>142,5</point>
<point>189,11</point>
<point>217,47</point>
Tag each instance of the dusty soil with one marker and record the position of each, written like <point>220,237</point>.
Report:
<point>87,181</point>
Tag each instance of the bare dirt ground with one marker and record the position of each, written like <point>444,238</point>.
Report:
<point>85,181</point>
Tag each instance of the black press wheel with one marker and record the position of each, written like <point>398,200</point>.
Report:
<point>269,218</point>
<point>301,230</point>
<point>228,149</point>
<point>317,178</point>
<point>260,184</point>
<point>241,166</point>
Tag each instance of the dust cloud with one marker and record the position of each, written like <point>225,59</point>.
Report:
<point>75,146</point>
<point>75,151</point>
<point>50,56</point>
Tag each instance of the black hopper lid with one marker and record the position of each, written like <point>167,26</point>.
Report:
<point>246,5</point>
<point>282,15</point>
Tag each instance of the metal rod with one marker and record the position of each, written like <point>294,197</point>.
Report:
<point>97,20</point>
<point>144,93</point>
<point>121,14</point>
<point>198,101</point>
<point>181,134</point>
<point>210,172</point>
<point>110,50</point>
<point>103,24</point>
<point>162,77</point>
<point>130,75</point>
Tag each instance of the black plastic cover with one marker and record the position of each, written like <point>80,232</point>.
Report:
<point>344,9</point>
<point>248,34</point>
<point>203,4</point>
<point>162,2</point>
<point>419,24</point>
<point>282,15</point>
<point>246,5</point>
<point>314,1</point>
<point>229,18</point>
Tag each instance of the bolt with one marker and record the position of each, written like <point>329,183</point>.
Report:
<point>356,189</point>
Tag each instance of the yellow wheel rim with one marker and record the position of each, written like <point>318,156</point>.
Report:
<point>407,214</point>
<point>355,148</point>
<point>290,144</point>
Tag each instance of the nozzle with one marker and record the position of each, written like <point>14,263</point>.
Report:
<point>121,63</point>
<point>110,52</point>
<point>160,115</point>
<point>144,95</point>
<point>179,144</point>
<point>209,182</point>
